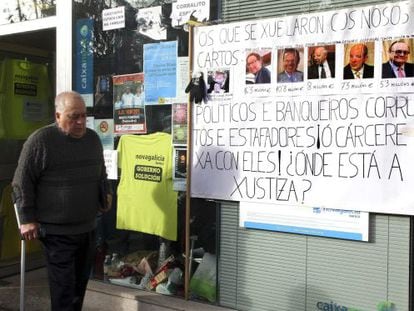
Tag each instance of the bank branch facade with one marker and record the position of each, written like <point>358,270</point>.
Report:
<point>268,143</point>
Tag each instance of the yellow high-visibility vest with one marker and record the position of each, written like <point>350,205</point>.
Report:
<point>25,98</point>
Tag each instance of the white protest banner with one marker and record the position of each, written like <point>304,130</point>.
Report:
<point>331,142</point>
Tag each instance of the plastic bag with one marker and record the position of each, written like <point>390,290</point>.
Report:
<point>203,282</point>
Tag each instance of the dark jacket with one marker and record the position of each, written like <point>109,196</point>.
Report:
<point>368,72</point>
<point>58,180</point>
<point>263,76</point>
<point>387,71</point>
<point>313,72</point>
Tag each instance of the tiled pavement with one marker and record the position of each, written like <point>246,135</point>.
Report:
<point>100,296</point>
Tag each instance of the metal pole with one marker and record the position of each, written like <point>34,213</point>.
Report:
<point>189,160</point>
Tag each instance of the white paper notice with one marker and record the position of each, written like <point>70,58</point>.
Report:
<point>111,163</point>
<point>113,18</point>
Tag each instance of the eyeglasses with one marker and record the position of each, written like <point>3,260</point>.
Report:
<point>401,52</point>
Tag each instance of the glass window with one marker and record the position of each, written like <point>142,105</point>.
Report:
<point>109,63</point>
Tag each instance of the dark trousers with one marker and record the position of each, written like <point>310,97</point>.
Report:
<point>69,259</point>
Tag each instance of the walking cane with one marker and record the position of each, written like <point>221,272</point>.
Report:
<point>22,258</point>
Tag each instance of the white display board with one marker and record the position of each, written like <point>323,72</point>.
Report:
<point>317,221</point>
<point>337,143</point>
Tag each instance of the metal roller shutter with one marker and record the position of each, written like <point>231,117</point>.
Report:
<point>263,270</point>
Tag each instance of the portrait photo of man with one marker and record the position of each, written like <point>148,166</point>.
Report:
<point>218,81</point>
<point>398,63</point>
<point>321,62</point>
<point>256,67</point>
<point>357,58</point>
<point>290,61</point>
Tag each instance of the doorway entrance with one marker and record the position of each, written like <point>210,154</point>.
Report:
<point>27,90</point>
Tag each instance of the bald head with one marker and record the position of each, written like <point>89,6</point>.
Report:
<point>320,54</point>
<point>66,98</point>
<point>70,114</point>
<point>358,55</point>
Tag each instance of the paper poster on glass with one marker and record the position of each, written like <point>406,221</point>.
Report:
<point>160,70</point>
<point>113,18</point>
<point>149,23</point>
<point>90,122</point>
<point>183,75</point>
<point>189,10</point>
<point>179,124</point>
<point>103,96</point>
<point>105,130</point>
<point>129,106</point>
<point>180,169</point>
<point>111,163</point>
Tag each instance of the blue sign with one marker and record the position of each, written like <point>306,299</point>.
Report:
<point>84,60</point>
<point>160,71</point>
